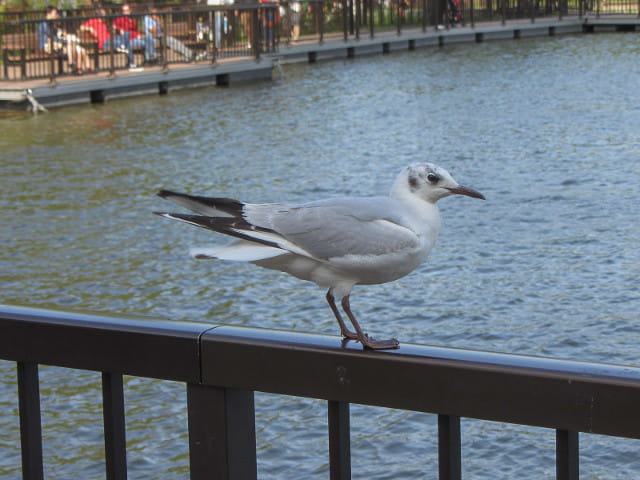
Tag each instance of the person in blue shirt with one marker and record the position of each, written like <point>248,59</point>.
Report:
<point>45,32</point>
<point>53,38</point>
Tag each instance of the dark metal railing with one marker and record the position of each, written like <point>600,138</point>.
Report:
<point>222,367</point>
<point>187,36</point>
<point>195,33</point>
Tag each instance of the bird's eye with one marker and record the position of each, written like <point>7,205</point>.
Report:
<point>433,178</point>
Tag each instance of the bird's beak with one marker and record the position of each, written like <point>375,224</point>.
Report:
<point>469,192</point>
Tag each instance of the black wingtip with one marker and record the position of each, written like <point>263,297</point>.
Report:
<point>165,193</point>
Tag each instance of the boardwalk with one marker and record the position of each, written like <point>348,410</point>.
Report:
<point>101,87</point>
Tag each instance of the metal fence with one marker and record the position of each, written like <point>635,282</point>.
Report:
<point>196,34</point>
<point>222,367</point>
<point>33,47</point>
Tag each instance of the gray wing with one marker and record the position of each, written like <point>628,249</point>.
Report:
<point>339,227</point>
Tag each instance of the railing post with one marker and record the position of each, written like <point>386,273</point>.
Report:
<point>322,20</point>
<point>449,457</point>
<point>112,48</point>
<point>222,433</point>
<point>23,63</point>
<point>256,36</point>
<point>339,441</point>
<point>567,455</point>
<point>424,16</point>
<point>52,57</point>
<point>344,20</point>
<point>115,445</point>
<point>358,5</point>
<point>165,59</point>
<point>30,426</point>
<point>473,24</point>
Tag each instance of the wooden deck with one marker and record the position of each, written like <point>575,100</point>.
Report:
<point>101,87</point>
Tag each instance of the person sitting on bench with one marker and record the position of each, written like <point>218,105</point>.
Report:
<point>126,24</point>
<point>100,32</point>
<point>153,27</point>
<point>53,38</point>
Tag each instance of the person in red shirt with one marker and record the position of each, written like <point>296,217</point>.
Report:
<point>100,32</point>
<point>98,29</point>
<point>128,25</point>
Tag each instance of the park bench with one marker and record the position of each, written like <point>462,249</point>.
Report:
<point>20,49</point>
<point>22,58</point>
<point>186,35</point>
<point>90,44</point>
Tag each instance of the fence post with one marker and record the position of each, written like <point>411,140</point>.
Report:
<point>449,457</point>
<point>30,426</point>
<point>473,24</point>
<point>424,16</point>
<point>115,445</point>
<point>345,20</point>
<point>322,20</point>
<point>52,57</point>
<point>532,12</point>
<point>339,441</point>
<point>222,433</point>
<point>567,456</point>
<point>358,19</point>
<point>256,36</point>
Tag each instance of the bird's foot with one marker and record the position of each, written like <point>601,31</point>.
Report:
<point>372,343</point>
<point>348,334</point>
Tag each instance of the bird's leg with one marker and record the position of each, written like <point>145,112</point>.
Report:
<point>343,328</point>
<point>363,337</point>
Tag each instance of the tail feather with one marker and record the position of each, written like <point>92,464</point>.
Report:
<point>225,215</point>
<point>229,226</point>
<point>239,251</point>
<point>214,207</point>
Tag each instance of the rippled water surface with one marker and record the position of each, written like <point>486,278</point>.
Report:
<point>549,265</point>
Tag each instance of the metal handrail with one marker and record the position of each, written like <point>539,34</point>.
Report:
<point>23,58</point>
<point>223,366</point>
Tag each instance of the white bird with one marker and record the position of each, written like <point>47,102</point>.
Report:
<point>336,243</point>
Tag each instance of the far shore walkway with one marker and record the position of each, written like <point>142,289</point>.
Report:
<point>100,87</point>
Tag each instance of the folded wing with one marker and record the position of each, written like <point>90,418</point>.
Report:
<point>321,230</point>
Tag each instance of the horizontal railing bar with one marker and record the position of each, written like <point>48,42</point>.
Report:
<point>558,394</point>
<point>249,335</point>
<point>541,392</point>
<point>145,347</point>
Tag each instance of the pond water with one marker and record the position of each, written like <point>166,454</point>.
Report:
<point>549,265</point>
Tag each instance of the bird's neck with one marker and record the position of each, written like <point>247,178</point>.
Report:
<point>424,215</point>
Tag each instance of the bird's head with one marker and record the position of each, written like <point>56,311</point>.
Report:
<point>430,183</point>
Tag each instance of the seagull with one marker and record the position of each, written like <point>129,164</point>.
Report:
<point>336,243</point>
